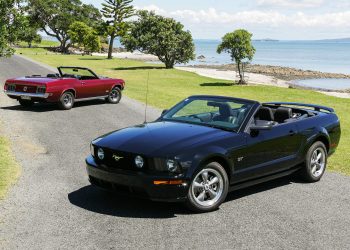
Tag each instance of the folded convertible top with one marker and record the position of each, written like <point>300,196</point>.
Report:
<point>316,107</point>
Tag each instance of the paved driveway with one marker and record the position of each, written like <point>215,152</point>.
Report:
<point>54,207</point>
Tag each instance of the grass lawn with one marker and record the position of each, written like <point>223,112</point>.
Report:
<point>9,170</point>
<point>167,87</point>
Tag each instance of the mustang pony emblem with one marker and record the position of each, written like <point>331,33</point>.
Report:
<point>117,158</point>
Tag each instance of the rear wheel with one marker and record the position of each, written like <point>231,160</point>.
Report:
<point>208,188</point>
<point>315,162</point>
<point>66,101</point>
<point>114,96</point>
<point>26,103</point>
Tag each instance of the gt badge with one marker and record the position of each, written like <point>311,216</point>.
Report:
<point>117,158</point>
<point>240,159</point>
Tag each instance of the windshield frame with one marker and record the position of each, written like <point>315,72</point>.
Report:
<point>62,68</point>
<point>178,106</point>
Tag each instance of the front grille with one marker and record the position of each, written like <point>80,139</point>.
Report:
<point>26,88</point>
<point>118,188</point>
<point>126,161</point>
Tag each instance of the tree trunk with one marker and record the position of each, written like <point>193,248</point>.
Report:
<point>241,79</point>
<point>110,48</point>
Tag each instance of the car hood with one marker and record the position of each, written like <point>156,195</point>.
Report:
<point>160,138</point>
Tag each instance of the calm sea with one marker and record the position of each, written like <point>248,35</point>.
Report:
<point>331,56</point>
<point>325,56</point>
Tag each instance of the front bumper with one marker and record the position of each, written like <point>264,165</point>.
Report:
<point>137,184</point>
<point>31,95</point>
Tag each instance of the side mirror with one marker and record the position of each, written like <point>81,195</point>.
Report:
<point>164,111</point>
<point>254,129</point>
<point>261,127</point>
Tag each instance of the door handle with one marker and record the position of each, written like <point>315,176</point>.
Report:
<point>82,83</point>
<point>292,132</point>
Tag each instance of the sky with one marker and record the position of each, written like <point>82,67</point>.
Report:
<point>276,19</point>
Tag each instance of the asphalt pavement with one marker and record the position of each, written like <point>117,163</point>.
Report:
<point>53,206</point>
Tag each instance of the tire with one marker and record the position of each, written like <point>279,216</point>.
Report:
<point>315,163</point>
<point>114,96</point>
<point>205,197</point>
<point>66,101</point>
<point>26,103</point>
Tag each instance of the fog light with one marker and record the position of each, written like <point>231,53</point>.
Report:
<point>100,154</point>
<point>139,161</point>
<point>172,166</point>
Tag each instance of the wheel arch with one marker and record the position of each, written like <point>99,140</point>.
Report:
<point>324,139</point>
<point>70,90</point>
<point>219,157</point>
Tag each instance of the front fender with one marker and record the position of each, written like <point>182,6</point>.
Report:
<point>204,155</point>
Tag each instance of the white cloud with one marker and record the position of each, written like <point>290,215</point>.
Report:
<point>291,3</point>
<point>258,17</point>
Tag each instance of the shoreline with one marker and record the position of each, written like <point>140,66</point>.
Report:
<point>269,75</point>
<point>280,72</point>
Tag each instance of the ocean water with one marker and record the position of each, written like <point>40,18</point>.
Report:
<point>332,56</point>
<point>325,56</point>
<point>333,84</point>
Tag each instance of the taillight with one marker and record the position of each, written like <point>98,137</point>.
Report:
<point>10,87</point>
<point>41,90</point>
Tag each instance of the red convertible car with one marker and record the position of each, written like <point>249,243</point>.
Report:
<point>70,85</point>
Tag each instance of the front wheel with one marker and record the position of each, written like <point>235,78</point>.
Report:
<point>66,101</point>
<point>208,189</point>
<point>26,103</point>
<point>315,163</point>
<point>114,96</point>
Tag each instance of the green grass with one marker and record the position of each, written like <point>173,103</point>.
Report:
<point>44,43</point>
<point>9,170</point>
<point>167,87</point>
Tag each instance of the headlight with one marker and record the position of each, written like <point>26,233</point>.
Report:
<point>139,161</point>
<point>92,149</point>
<point>172,166</point>
<point>100,154</point>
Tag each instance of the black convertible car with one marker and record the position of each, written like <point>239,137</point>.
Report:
<point>206,146</point>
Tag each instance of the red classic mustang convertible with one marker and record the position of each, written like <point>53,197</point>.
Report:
<point>70,85</point>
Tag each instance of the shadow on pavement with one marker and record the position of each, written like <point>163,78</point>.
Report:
<point>103,202</point>
<point>46,107</point>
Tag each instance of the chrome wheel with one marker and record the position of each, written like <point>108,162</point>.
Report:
<point>115,95</point>
<point>207,187</point>
<point>318,162</point>
<point>68,100</point>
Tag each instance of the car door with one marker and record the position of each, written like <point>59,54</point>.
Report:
<point>268,152</point>
<point>92,88</point>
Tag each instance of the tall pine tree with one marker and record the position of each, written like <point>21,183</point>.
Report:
<point>116,12</point>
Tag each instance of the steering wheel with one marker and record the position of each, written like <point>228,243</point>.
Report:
<point>196,117</point>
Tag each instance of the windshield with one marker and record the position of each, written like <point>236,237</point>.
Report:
<point>81,74</point>
<point>214,112</point>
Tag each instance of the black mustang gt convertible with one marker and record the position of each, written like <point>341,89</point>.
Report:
<point>206,146</point>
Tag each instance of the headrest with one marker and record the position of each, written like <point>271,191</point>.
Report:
<point>283,114</point>
<point>265,114</point>
<point>225,110</point>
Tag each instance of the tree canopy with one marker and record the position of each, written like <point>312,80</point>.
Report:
<point>239,45</point>
<point>55,17</point>
<point>162,37</point>
<point>116,13</point>
<point>84,36</point>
